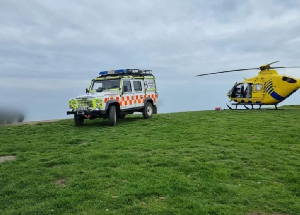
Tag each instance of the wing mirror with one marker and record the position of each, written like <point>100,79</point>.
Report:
<point>86,90</point>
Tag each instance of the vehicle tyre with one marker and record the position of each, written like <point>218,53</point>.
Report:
<point>112,115</point>
<point>148,110</point>
<point>121,116</point>
<point>79,120</point>
<point>21,118</point>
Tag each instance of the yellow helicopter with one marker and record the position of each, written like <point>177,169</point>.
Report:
<point>267,88</point>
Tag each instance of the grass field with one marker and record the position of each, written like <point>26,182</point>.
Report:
<point>209,162</point>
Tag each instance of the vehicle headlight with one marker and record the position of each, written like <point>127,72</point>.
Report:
<point>97,103</point>
<point>73,103</point>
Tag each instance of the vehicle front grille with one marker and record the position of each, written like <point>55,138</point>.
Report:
<point>85,103</point>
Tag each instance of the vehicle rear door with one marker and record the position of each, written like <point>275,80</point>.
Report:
<point>139,92</point>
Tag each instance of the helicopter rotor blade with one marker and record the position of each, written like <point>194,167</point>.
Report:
<point>272,63</point>
<point>235,70</point>
<point>285,67</point>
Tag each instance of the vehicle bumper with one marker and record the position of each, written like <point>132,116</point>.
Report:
<point>87,112</point>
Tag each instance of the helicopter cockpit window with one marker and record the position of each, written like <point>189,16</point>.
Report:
<point>290,80</point>
<point>258,87</point>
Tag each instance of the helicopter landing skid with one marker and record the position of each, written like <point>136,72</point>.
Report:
<point>245,105</point>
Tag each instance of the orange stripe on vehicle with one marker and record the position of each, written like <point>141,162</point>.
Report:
<point>111,98</point>
<point>118,99</point>
<point>105,100</point>
<point>130,101</point>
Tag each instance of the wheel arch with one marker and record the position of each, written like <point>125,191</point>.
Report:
<point>149,100</point>
<point>115,103</point>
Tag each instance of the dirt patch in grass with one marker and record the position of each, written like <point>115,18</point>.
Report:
<point>61,182</point>
<point>7,158</point>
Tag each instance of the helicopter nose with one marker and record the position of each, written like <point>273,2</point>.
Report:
<point>298,83</point>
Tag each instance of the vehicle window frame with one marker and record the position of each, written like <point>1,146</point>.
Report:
<point>140,85</point>
<point>92,89</point>
<point>130,91</point>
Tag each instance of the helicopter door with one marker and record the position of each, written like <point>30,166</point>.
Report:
<point>248,90</point>
<point>237,91</point>
<point>257,93</point>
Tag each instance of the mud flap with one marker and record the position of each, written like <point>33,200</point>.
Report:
<point>154,109</point>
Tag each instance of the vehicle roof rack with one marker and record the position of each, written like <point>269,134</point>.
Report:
<point>134,72</point>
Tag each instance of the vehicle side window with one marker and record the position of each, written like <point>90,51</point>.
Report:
<point>137,86</point>
<point>258,87</point>
<point>127,86</point>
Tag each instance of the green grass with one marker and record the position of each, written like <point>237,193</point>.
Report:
<point>209,162</point>
<point>290,107</point>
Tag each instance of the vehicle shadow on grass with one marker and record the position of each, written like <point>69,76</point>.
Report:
<point>104,122</point>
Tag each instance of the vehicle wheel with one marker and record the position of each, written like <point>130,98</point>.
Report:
<point>112,115</point>
<point>21,118</point>
<point>121,116</point>
<point>79,120</point>
<point>148,110</point>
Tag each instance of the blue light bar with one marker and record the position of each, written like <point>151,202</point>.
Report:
<point>126,71</point>
<point>103,72</point>
<point>121,71</point>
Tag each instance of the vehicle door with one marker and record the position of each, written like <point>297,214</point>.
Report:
<point>127,94</point>
<point>139,92</point>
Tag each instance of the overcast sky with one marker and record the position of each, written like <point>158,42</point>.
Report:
<point>50,50</point>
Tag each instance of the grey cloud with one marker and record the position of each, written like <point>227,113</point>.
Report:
<point>70,41</point>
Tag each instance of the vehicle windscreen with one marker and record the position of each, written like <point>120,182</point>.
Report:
<point>105,85</point>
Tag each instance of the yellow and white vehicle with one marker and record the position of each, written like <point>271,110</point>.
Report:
<point>115,93</point>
